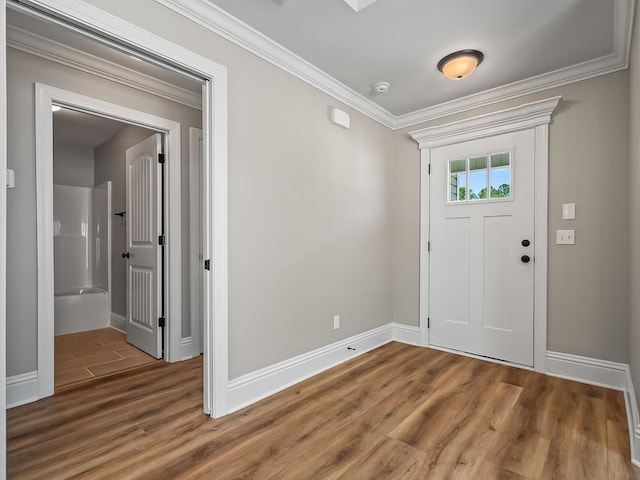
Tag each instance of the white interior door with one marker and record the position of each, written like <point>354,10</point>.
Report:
<point>144,262</point>
<point>482,250</point>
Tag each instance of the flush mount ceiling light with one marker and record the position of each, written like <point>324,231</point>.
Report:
<point>459,65</point>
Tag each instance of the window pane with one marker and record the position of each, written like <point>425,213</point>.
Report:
<point>457,180</point>
<point>501,175</point>
<point>478,178</point>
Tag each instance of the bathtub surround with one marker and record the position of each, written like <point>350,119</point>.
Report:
<point>82,237</point>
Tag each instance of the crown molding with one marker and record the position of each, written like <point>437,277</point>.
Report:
<point>47,49</point>
<point>230,28</point>
<point>525,116</point>
<point>225,25</point>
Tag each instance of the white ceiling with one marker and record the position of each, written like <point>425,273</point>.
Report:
<point>83,129</point>
<point>529,45</point>
<point>401,41</point>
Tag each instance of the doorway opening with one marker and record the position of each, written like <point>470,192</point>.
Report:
<point>110,32</point>
<point>92,317</point>
<point>153,316</point>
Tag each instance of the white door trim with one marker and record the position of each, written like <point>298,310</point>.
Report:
<point>45,96</point>
<point>537,116</point>
<point>3,237</point>
<point>215,126</point>
<point>193,347</point>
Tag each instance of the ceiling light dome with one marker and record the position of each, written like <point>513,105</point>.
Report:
<point>459,65</point>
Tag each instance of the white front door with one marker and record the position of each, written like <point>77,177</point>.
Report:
<point>144,262</point>
<point>482,250</point>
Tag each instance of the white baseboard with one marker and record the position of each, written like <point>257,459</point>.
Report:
<point>406,334</point>
<point>588,370</point>
<point>22,389</point>
<point>118,322</point>
<point>634,419</point>
<point>255,386</point>
<point>186,348</point>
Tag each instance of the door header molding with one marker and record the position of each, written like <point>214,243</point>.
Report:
<point>525,116</point>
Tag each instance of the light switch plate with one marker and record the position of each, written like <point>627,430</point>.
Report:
<point>11,178</point>
<point>565,237</point>
<point>568,211</point>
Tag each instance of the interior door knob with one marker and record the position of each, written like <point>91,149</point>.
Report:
<point>125,255</point>
<point>525,258</point>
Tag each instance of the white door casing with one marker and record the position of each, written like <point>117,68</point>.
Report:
<point>144,255</point>
<point>113,30</point>
<point>481,296</point>
<point>3,236</point>
<point>535,116</point>
<point>45,97</point>
<point>197,227</point>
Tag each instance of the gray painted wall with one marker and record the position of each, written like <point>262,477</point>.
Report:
<point>72,164</point>
<point>325,221</point>
<point>309,205</point>
<point>110,164</point>
<point>588,295</point>
<point>22,71</point>
<point>634,202</point>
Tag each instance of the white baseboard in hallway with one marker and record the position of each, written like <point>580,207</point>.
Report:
<point>406,334</point>
<point>22,389</point>
<point>118,322</point>
<point>255,386</point>
<point>602,373</point>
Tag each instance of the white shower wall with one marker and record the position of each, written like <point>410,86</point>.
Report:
<point>72,244</point>
<point>82,257</point>
<point>101,228</point>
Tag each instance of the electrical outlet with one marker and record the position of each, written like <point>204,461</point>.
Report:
<point>336,322</point>
<point>565,237</point>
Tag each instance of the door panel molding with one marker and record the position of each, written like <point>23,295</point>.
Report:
<point>144,254</point>
<point>535,116</point>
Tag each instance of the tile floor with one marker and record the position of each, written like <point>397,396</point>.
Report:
<point>97,353</point>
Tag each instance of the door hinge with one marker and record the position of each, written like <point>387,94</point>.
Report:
<point>428,322</point>
<point>161,158</point>
<point>161,240</point>
<point>429,169</point>
<point>162,322</point>
<point>429,246</point>
<point>207,264</point>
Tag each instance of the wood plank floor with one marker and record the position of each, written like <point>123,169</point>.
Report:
<point>399,412</point>
<point>94,354</point>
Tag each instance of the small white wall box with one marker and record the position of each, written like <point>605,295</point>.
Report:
<point>341,118</point>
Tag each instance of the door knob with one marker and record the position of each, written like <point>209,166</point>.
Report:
<point>525,258</point>
<point>125,255</point>
<point>526,243</point>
